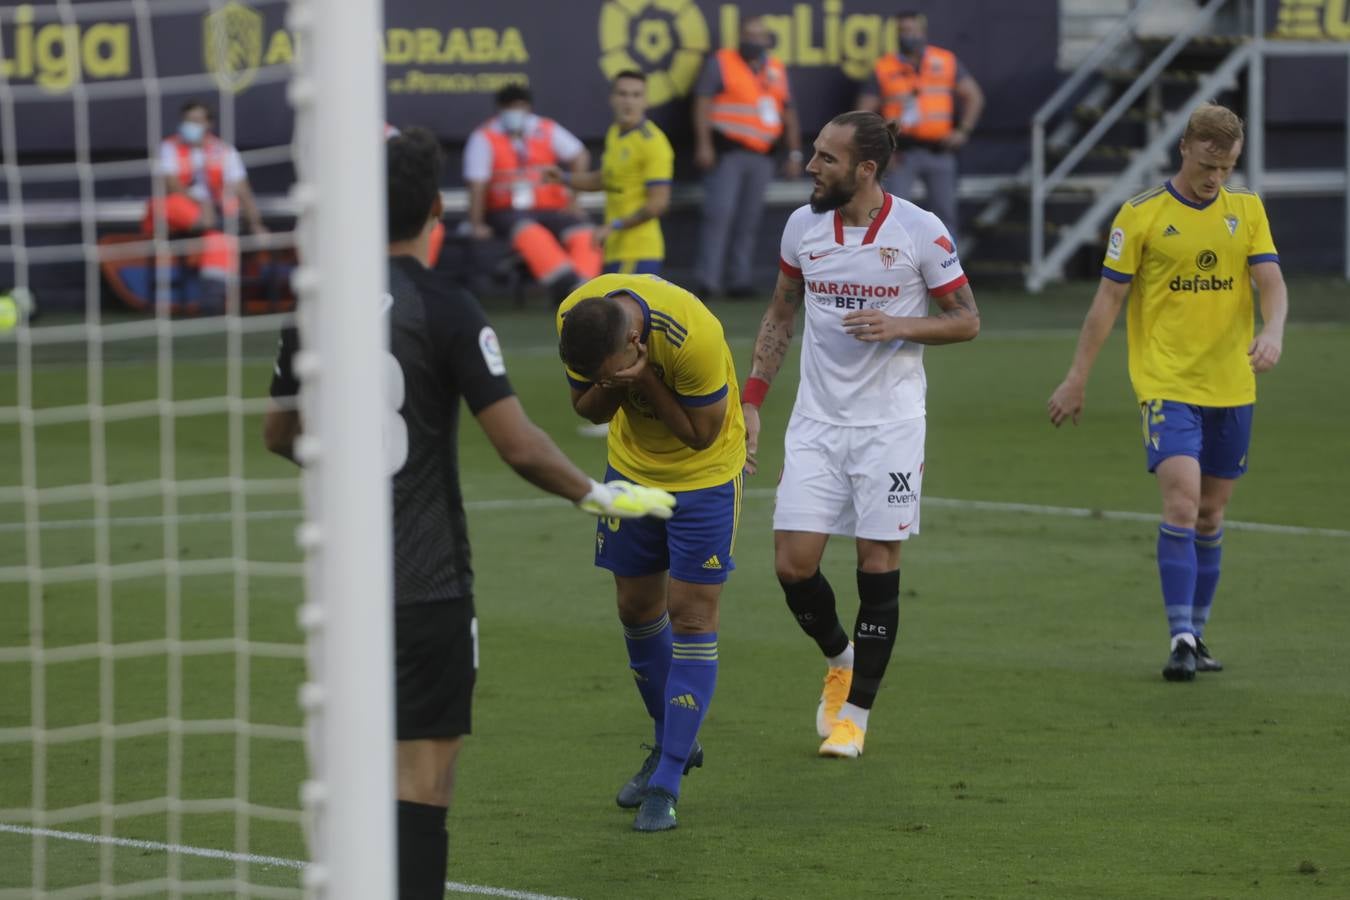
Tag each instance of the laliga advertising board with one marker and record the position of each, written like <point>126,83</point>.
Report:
<point>444,61</point>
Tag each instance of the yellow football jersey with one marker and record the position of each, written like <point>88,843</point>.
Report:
<point>1190,315</point>
<point>633,160</point>
<point>686,347</point>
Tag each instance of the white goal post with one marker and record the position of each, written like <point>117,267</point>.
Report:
<point>339,100</point>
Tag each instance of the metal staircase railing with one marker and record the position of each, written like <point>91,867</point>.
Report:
<point>1128,182</point>
<point>1044,267</point>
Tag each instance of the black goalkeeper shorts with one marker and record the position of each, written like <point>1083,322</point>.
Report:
<point>436,664</point>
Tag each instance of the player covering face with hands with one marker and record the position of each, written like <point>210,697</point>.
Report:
<point>646,357</point>
<point>866,266</point>
<point>442,349</point>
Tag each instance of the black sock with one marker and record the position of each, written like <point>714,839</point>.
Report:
<point>423,849</point>
<point>812,602</point>
<point>874,633</point>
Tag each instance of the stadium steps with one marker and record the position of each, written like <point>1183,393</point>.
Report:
<point>1090,113</point>
<point>1003,244</point>
<point>1171,76</point>
<point>1002,230</point>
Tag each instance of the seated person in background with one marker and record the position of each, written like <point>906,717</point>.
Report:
<point>204,182</point>
<point>505,161</point>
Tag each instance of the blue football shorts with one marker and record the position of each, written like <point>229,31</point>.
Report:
<point>633,266</point>
<point>695,544</point>
<point>1217,436</point>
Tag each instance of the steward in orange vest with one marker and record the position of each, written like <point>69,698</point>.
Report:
<point>920,99</point>
<point>749,108</point>
<point>203,182</point>
<point>935,102</point>
<point>505,161</point>
<point>743,112</point>
<point>923,88</point>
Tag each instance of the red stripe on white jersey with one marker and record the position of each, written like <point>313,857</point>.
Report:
<point>944,290</point>
<point>876,223</point>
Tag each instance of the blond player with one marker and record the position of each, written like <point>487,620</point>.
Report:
<point>1186,254</point>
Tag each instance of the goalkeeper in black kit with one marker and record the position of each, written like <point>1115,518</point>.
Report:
<point>444,349</point>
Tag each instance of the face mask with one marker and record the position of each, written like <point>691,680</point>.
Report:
<point>513,120</point>
<point>192,132</point>
<point>751,51</point>
<point>912,46</point>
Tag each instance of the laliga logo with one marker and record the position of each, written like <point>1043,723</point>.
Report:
<point>664,39</point>
<point>232,43</point>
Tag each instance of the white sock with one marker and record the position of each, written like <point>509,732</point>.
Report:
<point>843,660</point>
<point>1184,636</point>
<point>856,714</point>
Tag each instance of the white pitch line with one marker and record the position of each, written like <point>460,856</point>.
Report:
<point>155,521</point>
<point>1071,512</point>
<point>1120,515</point>
<point>454,887</point>
<point>998,506</point>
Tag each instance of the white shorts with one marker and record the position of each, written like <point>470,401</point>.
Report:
<point>858,481</point>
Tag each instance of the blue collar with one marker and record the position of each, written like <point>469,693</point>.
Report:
<point>646,310</point>
<point>637,127</point>
<point>1173,191</point>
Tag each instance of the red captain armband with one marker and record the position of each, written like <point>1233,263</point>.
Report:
<point>756,389</point>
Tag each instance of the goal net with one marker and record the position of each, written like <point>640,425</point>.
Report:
<point>194,670</point>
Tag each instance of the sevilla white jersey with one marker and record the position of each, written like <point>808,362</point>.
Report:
<point>892,265</point>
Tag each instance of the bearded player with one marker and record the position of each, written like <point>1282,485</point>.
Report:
<point>866,265</point>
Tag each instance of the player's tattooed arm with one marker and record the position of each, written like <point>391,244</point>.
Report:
<point>775,329</point>
<point>959,306</point>
<point>959,320</point>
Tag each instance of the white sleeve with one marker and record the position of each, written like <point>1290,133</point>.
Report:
<point>168,159</point>
<point>937,258</point>
<point>234,167</point>
<point>788,261</point>
<point>477,158</point>
<point>566,146</point>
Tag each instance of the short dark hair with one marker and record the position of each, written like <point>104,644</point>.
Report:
<point>514,93</point>
<point>592,331</point>
<point>413,162</point>
<point>193,103</point>
<point>629,73</point>
<point>873,137</point>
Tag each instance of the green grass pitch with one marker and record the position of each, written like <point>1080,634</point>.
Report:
<point>1024,744</point>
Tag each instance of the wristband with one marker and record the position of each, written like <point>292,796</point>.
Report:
<point>566,178</point>
<point>755,391</point>
<point>795,155</point>
<point>617,225</point>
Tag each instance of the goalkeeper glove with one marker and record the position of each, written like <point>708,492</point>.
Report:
<point>625,500</point>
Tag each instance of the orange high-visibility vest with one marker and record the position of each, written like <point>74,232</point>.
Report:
<point>922,101</point>
<point>512,175</point>
<point>749,110</point>
<point>214,151</point>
